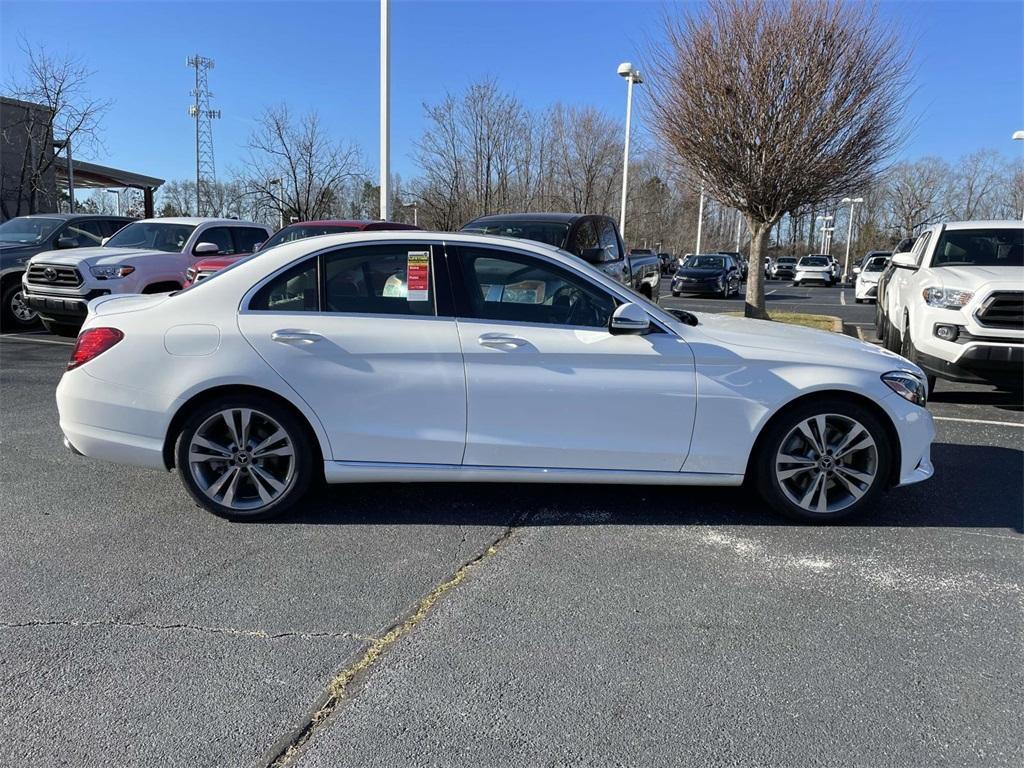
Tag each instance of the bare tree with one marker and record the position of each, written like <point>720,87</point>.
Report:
<point>69,114</point>
<point>777,105</point>
<point>178,198</point>
<point>918,193</point>
<point>296,166</point>
<point>586,157</point>
<point>974,184</point>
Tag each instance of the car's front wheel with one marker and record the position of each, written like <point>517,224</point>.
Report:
<point>244,457</point>
<point>823,460</point>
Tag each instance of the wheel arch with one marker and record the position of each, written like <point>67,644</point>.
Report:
<point>186,409</point>
<point>164,286</point>
<point>826,394</point>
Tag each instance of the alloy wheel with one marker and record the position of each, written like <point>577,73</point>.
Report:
<point>21,310</point>
<point>242,458</point>
<point>826,463</point>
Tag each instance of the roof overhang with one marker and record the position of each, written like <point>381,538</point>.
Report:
<point>90,175</point>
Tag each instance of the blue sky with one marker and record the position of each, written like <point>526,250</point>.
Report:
<point>968,59</point>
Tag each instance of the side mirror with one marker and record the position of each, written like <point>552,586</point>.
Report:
<point>204,249</point>
<point>904,261</point>
<point>66,242</point>
<point>856,270</point>
<point>629,319</point>
<point>257,247</point>
<point>104,241</point>
<point>592,255</point>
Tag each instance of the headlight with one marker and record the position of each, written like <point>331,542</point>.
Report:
<point>907,386</point>
<point>111,272</point>
<point>946,298</point>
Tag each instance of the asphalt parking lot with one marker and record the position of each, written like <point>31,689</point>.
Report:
<point>452,625</point>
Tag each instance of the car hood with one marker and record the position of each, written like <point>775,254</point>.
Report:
<point>92,257</point>
<point>214,263</point>
<point>869,277</point>
<point>968,278</point>
<point>792,342</point>
<point>785,264</point>
<point>15,253</point>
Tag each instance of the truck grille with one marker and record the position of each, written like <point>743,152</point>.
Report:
<point>54,274</point>
<point>1003,309</point>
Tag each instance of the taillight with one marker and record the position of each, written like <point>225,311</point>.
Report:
<point>93,342</point>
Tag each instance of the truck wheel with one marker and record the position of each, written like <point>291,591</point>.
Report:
<point>879,322</point>
<point>677,294</point>
<point>61,329</point>
<point>15,314</point>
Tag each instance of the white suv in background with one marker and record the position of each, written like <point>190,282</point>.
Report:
<point>146,256</point>
<point>955,303</point>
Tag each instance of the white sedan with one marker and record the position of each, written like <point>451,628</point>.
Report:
<point>411,357</point>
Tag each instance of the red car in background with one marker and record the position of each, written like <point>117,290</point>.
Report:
<point>298,231</point>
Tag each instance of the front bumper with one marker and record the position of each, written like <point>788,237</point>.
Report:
<point>866,290</point>
<point>697,285</point>
<point>813,277</point>
<point>916,431</point>
<point>980,364</point>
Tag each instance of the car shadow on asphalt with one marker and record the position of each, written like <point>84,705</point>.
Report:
<point>994,498</point>
<point>1004,400</point>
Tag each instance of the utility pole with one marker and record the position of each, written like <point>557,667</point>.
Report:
<point>385,105</point>
<point>700,218</point>
<point>200,111</point>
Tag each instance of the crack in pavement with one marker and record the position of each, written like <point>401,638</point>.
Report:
<point>286,749</point>
<point>231,631</point>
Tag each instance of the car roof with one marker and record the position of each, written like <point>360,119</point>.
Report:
<point>196,220</point>
<point>984,224</point>
<point>70,216</point>
<point>346,223</point>
<point>558,218</point>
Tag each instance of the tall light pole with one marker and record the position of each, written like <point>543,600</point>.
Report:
<point>739,226</point>
<point>849,234</point>
<point>118,193</point>
<point>700,218</point>
<point>280,205</point>
<point>385,105</point>
<point>632,76</point>
<point>1019,136</point>
<point>824,223</point>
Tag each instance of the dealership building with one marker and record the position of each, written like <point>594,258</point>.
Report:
<point>27,142</point>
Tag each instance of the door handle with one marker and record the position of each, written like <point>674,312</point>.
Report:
<point>501,341</point>
<point>295,337</point>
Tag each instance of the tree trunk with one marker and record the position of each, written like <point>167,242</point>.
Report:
<point>755,306</point>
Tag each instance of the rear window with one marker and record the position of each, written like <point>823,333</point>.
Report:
<point>814,261</point>
<point>980,248</point>
<point>302,231</point>
<point>552,233</point>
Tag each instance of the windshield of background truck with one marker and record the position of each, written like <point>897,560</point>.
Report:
<point>155,235</point>
<point>27,230</point>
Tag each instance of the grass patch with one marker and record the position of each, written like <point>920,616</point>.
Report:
<point>820,322</point>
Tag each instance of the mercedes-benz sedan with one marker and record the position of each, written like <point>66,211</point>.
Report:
<point>413,356</point>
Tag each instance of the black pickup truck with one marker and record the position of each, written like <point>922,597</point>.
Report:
<point>593,238</point>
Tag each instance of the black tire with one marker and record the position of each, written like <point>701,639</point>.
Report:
<point>61,329</point>
<point>796,284</point>
<point>304,455</point>
<point>770,442</point>
<point>677,294</point>
<point>12,309</point>
<point>932,381</point>
<point>879,322</point>
<point>892,337</point>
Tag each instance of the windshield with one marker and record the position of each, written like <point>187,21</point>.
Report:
<point>786,260</point>
<point>27,230</point>
<point>876,264</point>
<point>302,231</point>
<point>160,236</point>
<point>703,262</point>
<point>980,248</point>
<point>552,233</point>
<point>814,261</point>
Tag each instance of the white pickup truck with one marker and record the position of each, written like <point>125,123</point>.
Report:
<point>146,256</point>
<point>955,303</point>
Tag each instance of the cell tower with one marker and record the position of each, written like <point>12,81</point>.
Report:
<point>199,110</point>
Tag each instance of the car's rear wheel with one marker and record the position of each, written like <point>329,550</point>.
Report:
<point>15,313</point>
<point>244,457</point>
<point>60,329</point>
<point>823,461</point>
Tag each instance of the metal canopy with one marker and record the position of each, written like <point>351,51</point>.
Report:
<point>95,176</point>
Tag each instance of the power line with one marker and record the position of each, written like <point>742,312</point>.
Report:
<point>200,111</point>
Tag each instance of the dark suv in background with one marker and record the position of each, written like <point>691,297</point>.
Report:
<point>23,237</point>
<point>592,237</point>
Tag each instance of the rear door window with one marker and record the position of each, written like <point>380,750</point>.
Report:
<point>247,238</point>
<point>380,280</point>
<point>219,236</point>
<point>294,290</point>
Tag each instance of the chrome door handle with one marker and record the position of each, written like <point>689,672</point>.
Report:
<point>295,337</point>
<point>501,341</point>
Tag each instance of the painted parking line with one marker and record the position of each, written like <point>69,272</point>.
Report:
<point>34,340</point>
<point>980,421</point>
<point>842,298</point>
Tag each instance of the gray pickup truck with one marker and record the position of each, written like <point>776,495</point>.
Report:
<point>591,237</point>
